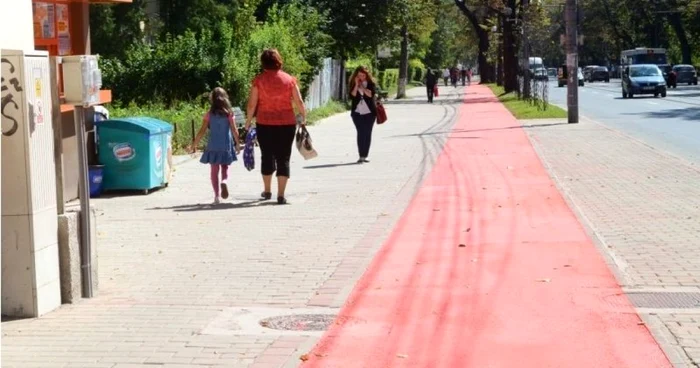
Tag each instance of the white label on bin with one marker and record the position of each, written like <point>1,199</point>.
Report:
<point>123,152</point>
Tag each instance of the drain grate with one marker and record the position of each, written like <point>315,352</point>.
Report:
<point>672,300</point>
<point>299,322</point>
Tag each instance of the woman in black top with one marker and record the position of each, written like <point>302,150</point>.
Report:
<point>364,109</point>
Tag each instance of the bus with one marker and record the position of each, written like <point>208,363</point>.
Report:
<point>644,55</point>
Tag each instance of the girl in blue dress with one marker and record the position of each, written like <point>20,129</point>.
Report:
<point>222,145</point>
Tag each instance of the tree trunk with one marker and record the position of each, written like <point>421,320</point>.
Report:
<point>486,72</point>
<point>403,63</point>
<point>510,59</point>
<point>674,19</point>
<point>499,56</point>
<point>525,47</point>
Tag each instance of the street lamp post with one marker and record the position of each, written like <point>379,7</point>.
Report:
<point>572,60</point>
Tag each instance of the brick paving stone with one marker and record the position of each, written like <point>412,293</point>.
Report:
<point>169,264</point>
<point>642,205</point>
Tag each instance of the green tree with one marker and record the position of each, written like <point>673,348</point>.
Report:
<point>114,28</point>
<point>414,21</point>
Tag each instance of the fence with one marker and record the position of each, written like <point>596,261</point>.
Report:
<point>326,85</point>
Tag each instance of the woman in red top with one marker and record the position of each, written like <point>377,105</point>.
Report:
<point>273,99</point>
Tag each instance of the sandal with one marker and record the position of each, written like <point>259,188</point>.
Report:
<point>266,195</point>
<point>224,190</point>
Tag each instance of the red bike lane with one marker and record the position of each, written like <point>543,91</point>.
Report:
<point>488,267</point>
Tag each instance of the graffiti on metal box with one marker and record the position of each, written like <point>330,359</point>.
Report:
<point>11,88</point>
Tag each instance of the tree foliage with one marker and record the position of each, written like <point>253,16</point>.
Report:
<point>224,52</point>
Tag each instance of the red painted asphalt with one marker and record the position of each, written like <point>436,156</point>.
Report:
<point>526,289</point>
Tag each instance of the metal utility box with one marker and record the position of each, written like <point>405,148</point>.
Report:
<point>134,152</point>
<point>30,265</point>
<point>82,80</point>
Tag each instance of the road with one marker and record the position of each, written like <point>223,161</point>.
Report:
<point>669,124</point>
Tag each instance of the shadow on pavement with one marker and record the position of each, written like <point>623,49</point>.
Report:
<point>422,101</point>
<point>690,113</point>
<point>327,166</point>
<point>215,207</point>
<point>127,193</point>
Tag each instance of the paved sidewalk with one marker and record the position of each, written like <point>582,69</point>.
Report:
<point>183,284</point>
<point>643,206</point>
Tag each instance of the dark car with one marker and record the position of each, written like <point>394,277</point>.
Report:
<point>599,73</point>
<point>686,74</point>
<point>643,79</point>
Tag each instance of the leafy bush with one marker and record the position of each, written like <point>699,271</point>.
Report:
<point>181,115</point>
<point>352,64</point>
<point>187,66</point>
<point>179,68</point>
<point>186,118</point>
<point>388,79</point>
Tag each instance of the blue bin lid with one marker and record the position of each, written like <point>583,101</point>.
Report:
<point>140,124</point>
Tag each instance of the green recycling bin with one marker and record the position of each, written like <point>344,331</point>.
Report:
<point>136,153</point>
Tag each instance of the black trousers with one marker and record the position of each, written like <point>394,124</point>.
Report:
<point>275,148</point>
<point>431,92</point>
<point>364,125</point>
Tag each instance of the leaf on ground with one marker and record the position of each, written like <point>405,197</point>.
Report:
<point>544,280</point>
<point>304,357</point>
<point>320,355</point>
<point>462,245</point>
<point>402,356</point>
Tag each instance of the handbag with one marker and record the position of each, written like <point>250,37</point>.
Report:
<point>381,113</point>
<point>304,144</point>
<point>436,91</point>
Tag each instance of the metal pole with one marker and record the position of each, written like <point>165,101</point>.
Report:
<point>84,193</point>
<point>572,60</point>
<point>57,134</point>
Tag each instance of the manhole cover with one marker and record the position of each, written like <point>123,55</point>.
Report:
<point>299,322</point>
<point>664,299</point>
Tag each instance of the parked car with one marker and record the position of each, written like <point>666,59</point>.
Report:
<point>587,71</point>
<point>540,74</point>
<point>562,76</point>
<point>552,73</point>
<point>599,73</point>
<point>643,79</point>
<point>685,74</point>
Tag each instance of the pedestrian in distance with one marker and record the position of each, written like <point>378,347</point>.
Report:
<point>430,84</point>
<point>446,75</point>
<point>463,74</point>
<point>222,144</point>
<point>363,91</point>
<point>273,98</point>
